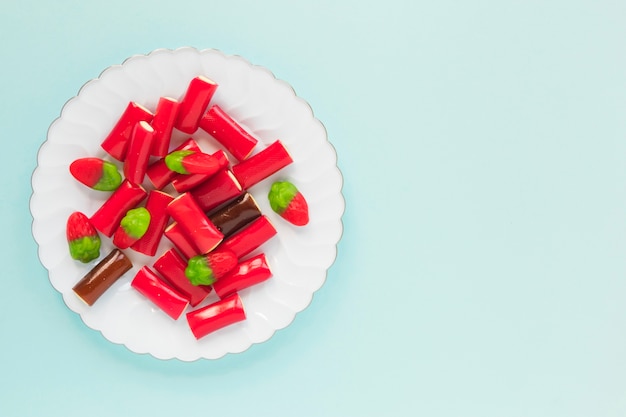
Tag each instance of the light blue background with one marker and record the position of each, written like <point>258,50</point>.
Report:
<point>482,271</point>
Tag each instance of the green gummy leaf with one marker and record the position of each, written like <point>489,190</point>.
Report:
<point>85,249</point>
<point>174,161</point>
<point>136,222</point>
<point>198,272</point>
<point>111,178</point>
<point>281,194</point>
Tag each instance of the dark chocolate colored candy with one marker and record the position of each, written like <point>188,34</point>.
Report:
<point>234,216</point>
<point>102,276</point>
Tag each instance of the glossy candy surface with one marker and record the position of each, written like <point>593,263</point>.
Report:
<point>183,183</point>
<point>217,190</point>
<point>216,316</point>
<point>228,132</point>
<point>261,165</point>
<point>194,103</point>
<point>138,155</point>
<point>101,277</point>
<point>132,227</point>
<point>116,142</point>
<point>107,218</point>
<point>196,225</point>
<point>246,274</point>
<point>289,203</point>
<point>82,238</point>
<point>190,162</point>
<point>208,268</point>
<point>172,266</point>
<point>159,174</point>
<point>235,215</point>
<point>157,207</point>
<point>179,238</point>
<point>251,237</point>
<point>163,124</point>
<point>161,294</point>
<point>96,173</point>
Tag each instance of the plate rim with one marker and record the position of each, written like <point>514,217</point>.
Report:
<point>327,142</point>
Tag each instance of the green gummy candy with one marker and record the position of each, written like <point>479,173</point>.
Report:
<point>85,249</point>
<point>198,272</point>
<point>111,178</point>
<point>136,222</point>
<point>174,161</point>
<point>280,195</point>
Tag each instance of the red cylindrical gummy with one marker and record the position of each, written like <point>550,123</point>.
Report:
<point>179,238</point>
<point>228,132</point>
<point>109,215</point>
<point>116,143</point>
<point>102,276</point>
<point>183,183</point>
<point>199,229</point>
<point>138,155</point>
<point>217,190</point>
<point>251,237</point>
<point>159,174</point>
<point>194,104</point>
<point>172,266</point>
<point>246,274</point>
<point>261,165</point>
<point>162,295</point>
<point>157,207</point>
<point>163,124</point>
<point>216,316</point>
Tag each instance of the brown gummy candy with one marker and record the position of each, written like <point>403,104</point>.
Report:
<point>102,276</point>
<point>234,216</point>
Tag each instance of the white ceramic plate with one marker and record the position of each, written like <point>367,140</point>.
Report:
<point>265,106</point>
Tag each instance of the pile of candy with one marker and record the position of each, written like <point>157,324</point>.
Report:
<point>212,221</point>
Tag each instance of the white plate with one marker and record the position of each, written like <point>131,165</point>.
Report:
<point>270,110</point>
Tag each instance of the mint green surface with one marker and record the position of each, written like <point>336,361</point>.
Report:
<point>482,271</point>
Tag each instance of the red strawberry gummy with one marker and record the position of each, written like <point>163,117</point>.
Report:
<point>82,238</point>
<point>132,227</point>
<point>208,268</point>
<point>190,162</point>
<point>96,173</point>
<point>289,203</point>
